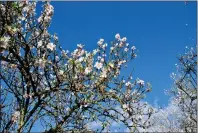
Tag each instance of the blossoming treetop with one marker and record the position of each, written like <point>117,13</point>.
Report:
<point>65,91</point>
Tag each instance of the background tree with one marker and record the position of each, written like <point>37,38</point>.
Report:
<point>181,113</point>
<point>65,91</point>
<point>185,89</point>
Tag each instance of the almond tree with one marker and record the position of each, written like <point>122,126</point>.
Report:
<point>64,91</point>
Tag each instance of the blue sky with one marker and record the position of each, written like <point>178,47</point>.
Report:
<point>159,30</point>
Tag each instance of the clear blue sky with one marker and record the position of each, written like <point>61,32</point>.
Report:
<point>159,30</point>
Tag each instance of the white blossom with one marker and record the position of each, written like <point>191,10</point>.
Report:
<point>39,19</point>
<point>57,58</point>
<point>80,46</point>
<point>99,57</point>
<point>173,75</point>
<point>41,63</point>
<point>100,42</point>
<point>39,44</point>
<point>102,59</point>
<point>15,116</point>
<point>55,37</point>
<point>95,51</point>
<point>112,48</point>
<point>124,39</point>
<point>104,46</point>
<point>133,47</point>
<point>104,73</point>
<point>4,42</point>
<point>61,72</point>
<point>17,113</point>
<point>51,46</point>
<point>117,36</point>
<point>88,70</point>
<point>6,39</point>
<point>111,65</point>
<point>141,82</point>
<point>98,65</point>
<point>126,49</point>
<point>128,84</point>
<point>125,106</point>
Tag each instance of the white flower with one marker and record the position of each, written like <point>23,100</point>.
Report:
<point>81,59</point>
<point>64,54</point>
<point>2,7</point>
<point>126,49</point>
<point>80,46</point>
<point>61,72</point>
<point>104,73</point>
<point>112,91</point>
<point>104,46</point>
<point>4,42</point>
<point>104,55</point>
<point>102,59</point>
<point>98,65</point>
<point>124,39</point>
<point>41,63</point>
<point>25,96</point>
<point>26,9</point>
<point>141,82</point>
<point>39,44</point>
<point>111,65</point>
<point>81,52</point>
<point>121,62</point>
<point>86,105</point>
<point>117,36</point>
<point>17,113</point>
<point>88,70</point>
<point>150,110</point>
<point>121,44</point>
<point>41,73</point>
<point>101,39</point>
<point>173,75</point>
<point>133,47</point>
<point>51,46</point>
<point>47,88</point>
<point>52,76</point>
<point>95,51</point>
<point>67,109</point>
<point>36,33</point>
<point>39,19</point>
<point>15,116</point>
<point>6,39</point>
<point>55,37</point>
<point>112,48</point>
<point>124,61</point>
<point>57,58</point>
<point>125,106</point>
<point>100,42</point>
<point>47,18</point>
<point>127,84</point>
